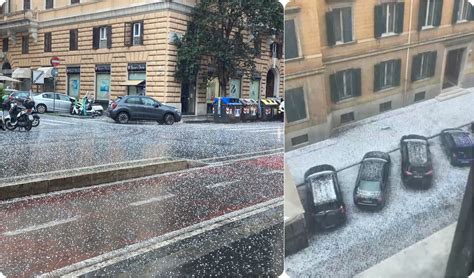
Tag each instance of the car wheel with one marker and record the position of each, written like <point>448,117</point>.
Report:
<point>123,117</point>
<point>169,119</point>
<point>41,108</point>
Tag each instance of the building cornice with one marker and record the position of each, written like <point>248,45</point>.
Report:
<point>120,12</point>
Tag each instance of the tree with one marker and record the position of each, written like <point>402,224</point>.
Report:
<point>226,33</point>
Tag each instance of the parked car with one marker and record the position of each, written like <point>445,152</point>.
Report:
<point>20,95</point>
<point>325,203</point>
<point>417,167</point>
<point>372,182</point>
<point>128,108</point>
<point>459,146</point>
<point>52,102</point>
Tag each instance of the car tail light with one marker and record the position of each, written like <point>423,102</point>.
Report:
<point>113,105</point>
<point>429,173</point>
<point>408,173</point>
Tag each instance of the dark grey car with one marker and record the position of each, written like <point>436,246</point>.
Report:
<point>129,108</point>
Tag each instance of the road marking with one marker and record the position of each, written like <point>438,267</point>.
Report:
<point>220,184</point>
<point>41,226</point>
<point>151,200</point>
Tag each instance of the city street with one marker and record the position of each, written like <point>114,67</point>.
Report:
<point>408,216</point>
<point>61,230</point>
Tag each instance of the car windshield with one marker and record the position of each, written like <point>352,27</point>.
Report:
<point>417,152</point>
<point>369,185</point>
<point>371,169</point>
<point>323,189</point>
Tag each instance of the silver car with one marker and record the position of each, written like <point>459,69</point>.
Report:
<point>52,102</point>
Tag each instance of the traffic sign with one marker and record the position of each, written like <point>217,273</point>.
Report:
<point>55,61</point>
<point>38,77</point>
<point>54,72</point>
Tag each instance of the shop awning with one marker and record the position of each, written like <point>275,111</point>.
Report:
<point>22,73</point>
<point>6,78</point>
<point>47,72</point>
<point>133,82</point>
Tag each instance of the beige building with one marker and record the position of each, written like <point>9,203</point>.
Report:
<point>114,48</point>
<point>350,59</point>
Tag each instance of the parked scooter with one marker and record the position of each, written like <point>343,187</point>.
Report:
<point>86,107</point>
<point>18,117</point>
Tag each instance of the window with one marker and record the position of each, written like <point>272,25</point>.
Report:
<point>463,11</point>
<point>134,100</point>
<point>348,117</point>
<point>291,40</point>
<point>149,101</point>
<point>385,106</point>
<point>345,84</point>
<point>49,4</point>
<point>47,42</point>
<point>75,1</point>
<point>299,139</point>
<point>133,33</point>
<point>102,37</point>
<point>295,107</point>
<point>26,4</point>
<point>275,49</point>
<point>424,66</point>
<point>73,39</point>
<point>420,96</point>
<point>387,74</point>
<point>5,45</point>
<point>430,13</point>
<point>339,26</point>
<point>25,44</point>
<point>389,19</point>
<point>137,31</point>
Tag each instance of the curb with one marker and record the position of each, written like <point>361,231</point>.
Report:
<point>37,186</point>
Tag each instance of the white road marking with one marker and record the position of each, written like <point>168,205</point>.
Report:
<point>225,183</point>
<point>41,226</point>
<point>151,200</point>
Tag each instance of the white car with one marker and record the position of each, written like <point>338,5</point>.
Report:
<point>52,102</point>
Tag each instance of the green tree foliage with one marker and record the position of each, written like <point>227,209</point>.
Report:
<point>226,32</point>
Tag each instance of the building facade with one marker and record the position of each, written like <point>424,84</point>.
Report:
<point>350,59</point>
<point>114,48</point>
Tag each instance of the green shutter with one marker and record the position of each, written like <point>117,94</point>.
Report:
<point>397,72</point>
<point>455,12</point>
<point>334,92</point>
<point>438,13</point>
<point>432,63</point>
<point>415,67</point>
<point>379,24</point>
<point>347,24</point>
<point>400,7</point>
<point>377,75</point>
<point>356,82</point>
<point>330,28</point>
<point>422,14</point>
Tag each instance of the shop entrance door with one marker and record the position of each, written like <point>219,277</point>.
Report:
<point>453,68</point>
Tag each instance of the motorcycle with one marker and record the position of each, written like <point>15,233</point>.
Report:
<point>18,117</point>
<point>36,118</point>
<point>86,107</point>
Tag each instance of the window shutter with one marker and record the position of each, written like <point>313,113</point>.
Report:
<point>377,76</point>
<point>330,28</point>
<point>356,82</point>
<point>400,10</point>
<point>95,38</point>
<point>127,34</point>
<point>379,26</point>
<point>422,14</point>
<point>415,67</point>
<point>347,22</point>
<point>71,35</point>
<point>109,36</point>
<point>143,32</point>
<point>334,92</point>
<point>432,63</point>
<point>397,72</point>
<point>438,13</point>
<point>455,11</point>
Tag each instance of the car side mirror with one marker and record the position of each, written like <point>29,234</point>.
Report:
<point>157,105</point>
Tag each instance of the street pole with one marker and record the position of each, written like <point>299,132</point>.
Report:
<point>54,94</point>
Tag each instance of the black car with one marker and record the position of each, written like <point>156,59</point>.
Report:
<point>459,146</point>
<point>372,181</point>
<point>142,108</point>
<point>20,96</point>
<point>325,202</point>
<point>417,167</point>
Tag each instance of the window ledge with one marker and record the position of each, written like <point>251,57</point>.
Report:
<point>462,21</point>
<point>342,101</point>
<point>300,58</point>
<point>344,43</point>
<point>297,122</point>
<point>421,80</point>
<point>427,27</point>
<point>388,35</point>
<point>386,89</point>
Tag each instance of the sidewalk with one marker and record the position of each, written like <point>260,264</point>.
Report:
<point>351,142</point>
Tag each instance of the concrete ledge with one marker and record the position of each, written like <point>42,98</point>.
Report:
<point>83,177</point>
<point>426,258</point>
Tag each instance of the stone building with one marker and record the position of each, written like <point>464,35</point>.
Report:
<point>350,59</point>
<point>116,47</point>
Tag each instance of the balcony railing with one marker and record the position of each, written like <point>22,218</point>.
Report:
<point>20,15</point>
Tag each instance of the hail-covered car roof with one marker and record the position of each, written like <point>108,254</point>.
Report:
<point>371,169</point>
<point>322,185</point>
<point>417,151</point>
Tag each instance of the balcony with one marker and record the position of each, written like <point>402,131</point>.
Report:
<point>19,22</point>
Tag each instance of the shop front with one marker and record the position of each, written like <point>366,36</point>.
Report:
<point>102,84</point>
<point>48,85</point>
<point>24,75</point>
<point>73,81</point>
<point>136,82</point>
<point>212,92</point>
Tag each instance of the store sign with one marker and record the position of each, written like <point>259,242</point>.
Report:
<point>136,67</point>
<point>102,68</point>
<point>73,70</point>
